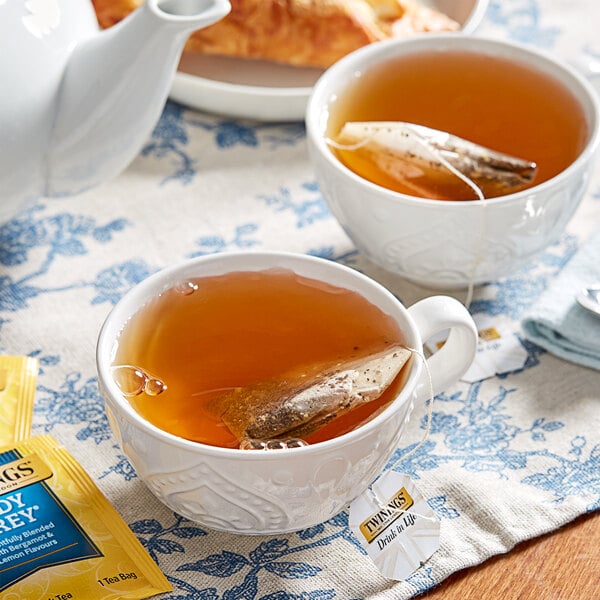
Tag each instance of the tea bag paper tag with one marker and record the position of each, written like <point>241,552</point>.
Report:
<point>498,349</point>
<point>395,525</point>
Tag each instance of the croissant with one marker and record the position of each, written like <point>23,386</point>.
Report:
<point>313,33</point>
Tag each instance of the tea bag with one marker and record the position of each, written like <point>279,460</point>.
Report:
<point>300,401</point>
<point>423,158</point>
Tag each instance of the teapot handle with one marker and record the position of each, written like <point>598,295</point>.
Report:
<point>435,315</point>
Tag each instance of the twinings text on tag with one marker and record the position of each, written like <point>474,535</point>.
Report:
<point>377,523</point>
<point>395,525</point>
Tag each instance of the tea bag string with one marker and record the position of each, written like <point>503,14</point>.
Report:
<point>479,193</point>
<point>429,410</point>
<point>372,492</point>
<point>480,196</point>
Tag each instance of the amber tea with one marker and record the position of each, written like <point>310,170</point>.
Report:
<point>494,102</point>
<point>216,339</point>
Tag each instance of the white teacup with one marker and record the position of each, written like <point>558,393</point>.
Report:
<point>276,491</point>
<point>446,244</point>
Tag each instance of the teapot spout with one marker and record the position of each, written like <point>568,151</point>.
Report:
<point>114,87</point>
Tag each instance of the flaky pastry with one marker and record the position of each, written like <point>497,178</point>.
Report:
<point>299,32</point>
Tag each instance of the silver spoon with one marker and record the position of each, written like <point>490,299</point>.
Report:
<point>589,298</point>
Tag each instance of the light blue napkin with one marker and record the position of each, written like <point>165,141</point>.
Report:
<point>557,322</point>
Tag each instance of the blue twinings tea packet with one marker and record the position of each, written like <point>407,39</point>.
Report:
<point>59,535</point>
<point>18,376</point>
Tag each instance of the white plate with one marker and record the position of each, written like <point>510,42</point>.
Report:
<point>266,91</point>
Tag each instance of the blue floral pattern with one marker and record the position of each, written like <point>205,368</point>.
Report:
<point>480,435</point>
<point>522,22</point>
<point>172,135</point>
<point>53,237</point>
<point>82,256</point>
<point>307,210</point>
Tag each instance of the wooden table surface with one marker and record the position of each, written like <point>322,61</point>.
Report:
<point>562,565</point>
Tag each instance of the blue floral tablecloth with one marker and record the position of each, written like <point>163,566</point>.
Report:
<point>507,458</point>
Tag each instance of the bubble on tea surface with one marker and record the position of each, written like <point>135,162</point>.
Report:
<point>296,443</point>
<point>133,381</point>
<point>275,445</point>
<point>186,288</point>
<point>154,386</point>
<point>251,444</point>
<point>248,444</point>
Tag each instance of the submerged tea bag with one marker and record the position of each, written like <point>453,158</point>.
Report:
<point>299,402</point>
<point>60,537</point>
<point>18,376</point>
<point>426,159</point>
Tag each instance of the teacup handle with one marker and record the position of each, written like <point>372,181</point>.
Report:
<point>433,316</point>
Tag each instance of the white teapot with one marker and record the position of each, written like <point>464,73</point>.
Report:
<point>77,103</point>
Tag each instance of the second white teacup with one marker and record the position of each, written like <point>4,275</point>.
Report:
<point>447,244</point>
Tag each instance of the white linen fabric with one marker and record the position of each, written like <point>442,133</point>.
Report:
<point>507,459</point>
